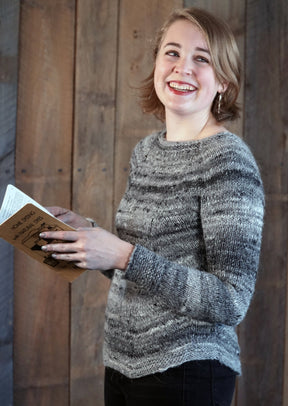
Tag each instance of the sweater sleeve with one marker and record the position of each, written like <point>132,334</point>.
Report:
<point>232,207</point>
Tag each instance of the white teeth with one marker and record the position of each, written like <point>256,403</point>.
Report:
<point>181,87</point>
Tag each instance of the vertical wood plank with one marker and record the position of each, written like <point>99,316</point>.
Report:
<point>45,100</point>
<point>41,338</point>
<point>43,170</point>
<point>139,22</point>
<point>265,90</point>
<point>93,179</point>
<point>263,334</point>
<point>9,19</point>
<point>96,59</point>
<point>283,35</point>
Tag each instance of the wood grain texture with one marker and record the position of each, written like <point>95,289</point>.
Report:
<point>283,37</point>
<point>45,100</point>
<point>93,179</point>
<point>95,94</point>
<point>139,21</point>
<point>43,170</point>
<point>265,90</point>
<point>9,19</point>
<point>41,339</point>
<point>262,336</point>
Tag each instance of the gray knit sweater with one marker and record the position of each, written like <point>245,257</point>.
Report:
<point>194,211</point>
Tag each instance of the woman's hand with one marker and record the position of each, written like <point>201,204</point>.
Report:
<point>69,217</point>
<point>89,248</point>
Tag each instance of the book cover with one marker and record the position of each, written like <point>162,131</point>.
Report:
<point>21,223</point>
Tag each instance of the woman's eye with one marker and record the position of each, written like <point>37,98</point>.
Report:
<point>172,53</point>
<point>202,59</point>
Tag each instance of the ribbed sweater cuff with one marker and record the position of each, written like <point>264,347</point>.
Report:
<point>145,268</point>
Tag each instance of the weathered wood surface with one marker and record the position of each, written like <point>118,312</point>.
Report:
<point>45,100</point>
<point>95,107</point>
<point>93,179</point>
<point>41,339</point>
<point>9,17</point>
<point>282,16</point>
<point>262,336</point>
<point>43,170</point>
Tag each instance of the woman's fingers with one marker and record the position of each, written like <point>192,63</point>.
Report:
<point>59,248</point>
<point>59,235</point>
<point>72,257</point>
<point>76,258</point>
<point>89,248</point>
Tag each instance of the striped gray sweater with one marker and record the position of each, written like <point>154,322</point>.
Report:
<point>194,211</point>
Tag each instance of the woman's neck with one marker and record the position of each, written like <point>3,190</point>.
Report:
<point>189,129</point>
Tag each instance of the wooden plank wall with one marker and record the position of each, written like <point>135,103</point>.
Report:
<point>263,336</point>
<point>43,170</point>
<point>9,17</point>
<point>77,123</point>
<point>93,179</point>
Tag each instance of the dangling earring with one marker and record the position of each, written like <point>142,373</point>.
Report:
<point>219,103</point>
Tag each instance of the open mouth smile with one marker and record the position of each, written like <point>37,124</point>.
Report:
<point>181,87</point>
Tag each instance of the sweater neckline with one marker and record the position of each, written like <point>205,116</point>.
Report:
<point>172,144</point>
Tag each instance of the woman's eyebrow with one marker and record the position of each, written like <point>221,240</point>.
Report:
<point>203,50</point>
<point>173,44</point>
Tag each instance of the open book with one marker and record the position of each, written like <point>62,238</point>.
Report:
<point>22,219</point>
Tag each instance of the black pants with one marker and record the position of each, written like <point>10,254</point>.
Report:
<point>195,383</point>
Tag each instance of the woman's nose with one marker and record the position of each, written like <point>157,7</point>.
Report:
<point>183,66</point>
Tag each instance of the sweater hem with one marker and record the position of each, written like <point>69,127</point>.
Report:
<point>149,366</point>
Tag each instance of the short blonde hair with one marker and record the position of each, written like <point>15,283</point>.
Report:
<point>225,61</point>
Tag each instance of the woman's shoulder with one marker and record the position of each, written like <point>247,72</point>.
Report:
<point>230,142</point>
<point>228,149</point>
<point>231,160</point>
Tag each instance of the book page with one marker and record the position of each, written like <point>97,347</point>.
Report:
<point>14,200</point>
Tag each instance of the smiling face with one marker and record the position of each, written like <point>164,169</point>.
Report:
<point>184,77</point>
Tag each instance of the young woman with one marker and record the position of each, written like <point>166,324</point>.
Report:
<point>184,263</point>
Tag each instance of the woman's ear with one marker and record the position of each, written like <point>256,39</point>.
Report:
<point>223,87</point>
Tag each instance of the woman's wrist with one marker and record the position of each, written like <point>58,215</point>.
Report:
<point>126,255</point>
